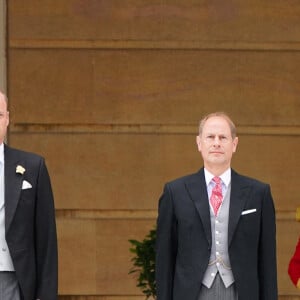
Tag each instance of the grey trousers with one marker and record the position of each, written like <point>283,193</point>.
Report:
<point>9,287</point>
<point>218,291</point>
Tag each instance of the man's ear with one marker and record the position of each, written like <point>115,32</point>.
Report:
<point>7,118</point>
<point>235,143</point>
<point>198,142</point>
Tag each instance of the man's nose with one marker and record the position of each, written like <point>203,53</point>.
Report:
<point>217,140</point>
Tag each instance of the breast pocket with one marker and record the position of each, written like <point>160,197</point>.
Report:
<point>250,222</point>
<point>27,197</point>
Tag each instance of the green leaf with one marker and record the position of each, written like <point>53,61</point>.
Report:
<point>144,263</point>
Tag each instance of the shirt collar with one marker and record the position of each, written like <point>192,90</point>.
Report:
<point>2,153</point>
<point>225,177</point>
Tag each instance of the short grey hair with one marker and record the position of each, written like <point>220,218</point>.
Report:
<point>218,114</point>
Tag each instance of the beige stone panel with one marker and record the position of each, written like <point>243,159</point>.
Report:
<point>78,265</point>
<point>65,86</point>
<point>235,20</point>
<point>288,232</point>
<point>94,255</point>
<point>3,46</point>
<point>128,171</point>
<point>114,257</point>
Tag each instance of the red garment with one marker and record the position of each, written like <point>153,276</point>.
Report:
<point>294,266</point>
<point>216,197</point>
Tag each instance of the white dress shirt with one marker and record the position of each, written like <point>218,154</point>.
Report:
<point>6,263</point>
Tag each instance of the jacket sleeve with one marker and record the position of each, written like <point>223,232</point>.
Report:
<point>45,238</point>
<point>166,246</point>
<point>267,249</point>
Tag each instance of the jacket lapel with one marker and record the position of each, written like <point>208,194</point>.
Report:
<point>198,192</point>
<point>12,185</point>
<point>238,198</point>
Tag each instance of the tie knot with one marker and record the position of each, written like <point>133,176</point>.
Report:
<point>217,180</point>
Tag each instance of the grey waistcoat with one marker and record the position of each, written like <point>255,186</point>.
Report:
<point>219,258</point>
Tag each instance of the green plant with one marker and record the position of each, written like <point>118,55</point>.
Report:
<point>144,263</point>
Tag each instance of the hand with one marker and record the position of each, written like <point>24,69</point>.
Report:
<point>298,283</point>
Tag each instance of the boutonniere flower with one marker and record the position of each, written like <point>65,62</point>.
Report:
<point>20,169</point>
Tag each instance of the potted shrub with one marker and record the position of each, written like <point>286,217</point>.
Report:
<point>144,263</point>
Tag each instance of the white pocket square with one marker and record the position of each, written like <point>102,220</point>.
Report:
<point>248,211</point>
<point>26,185</point>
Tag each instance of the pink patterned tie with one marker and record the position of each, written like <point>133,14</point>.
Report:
<point>216,195</point>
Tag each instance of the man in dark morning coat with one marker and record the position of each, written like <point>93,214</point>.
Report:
<point>228,254</point>
<point>28,243</point>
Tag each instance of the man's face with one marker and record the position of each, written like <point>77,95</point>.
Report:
<point>216,143</point>
<point>4,117</point>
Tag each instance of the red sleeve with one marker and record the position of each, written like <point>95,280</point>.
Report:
<point>294,266</point>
